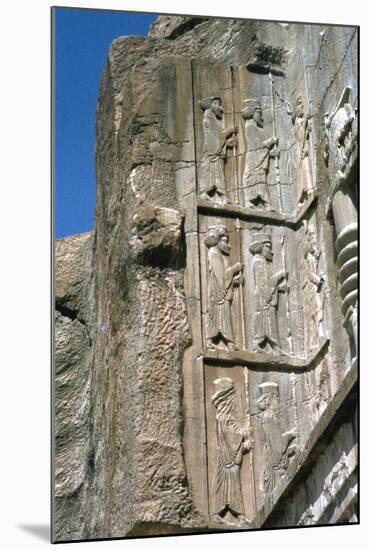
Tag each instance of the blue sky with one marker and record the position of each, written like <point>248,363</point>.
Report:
<point>82,39</point>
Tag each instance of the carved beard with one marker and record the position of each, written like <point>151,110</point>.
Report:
<point>218,111</point>
<point>225,248</point>
<point>259,121</point>
<point>314,251</point>
<point>299,110</point>
<point>268,255</point>
<point>270,407</point>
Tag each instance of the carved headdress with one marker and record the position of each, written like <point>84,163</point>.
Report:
<point>250,107</point>
<point>214,233</point>
<point>268,387</point>
<point>223,398</point>
<point>269,398</point>
<point>292,110</point>
<point>206,102</point>
<point>258,240</point>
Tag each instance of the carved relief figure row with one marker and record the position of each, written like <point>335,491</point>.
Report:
<point>268,284</point>
<point>223,278</point>
<point>234,439</point>
<point>262,150</point>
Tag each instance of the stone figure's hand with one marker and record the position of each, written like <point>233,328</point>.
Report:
<point>284,288</point>
<point>273,141</point>
<point>245,432</point>
<point>238,280</point>
<point>237,267</point>
<point>248,444</point>
<point>275,153</point>
<point>282,274</point>
<point>290,435</point>
<point>232,141</point>
<point>231,130</point>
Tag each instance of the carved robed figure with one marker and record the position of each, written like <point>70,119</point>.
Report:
<point>212,183</point>
<point>301,152</point>
<point>267,286</point>
<point>222,278</point>
<point>233,440</point>
<point>260,150</point>
<point>311,287</point>
<point>278,447</point>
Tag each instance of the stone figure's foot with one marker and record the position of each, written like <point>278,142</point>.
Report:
<point>210,345</point>
<point>269,208</point>
<point>260,345</point>
<point>222,199</point>
<point>205,196</point>
<point>242,521</point>
<point>232,347</point>
<point>277,351</point>
<point>249,204</point>
<point>218,519</point>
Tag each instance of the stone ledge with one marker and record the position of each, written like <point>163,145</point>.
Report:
<point>249,214</point>
<point>267,360</point>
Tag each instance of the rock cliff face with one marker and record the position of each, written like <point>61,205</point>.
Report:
<point>163,425</point>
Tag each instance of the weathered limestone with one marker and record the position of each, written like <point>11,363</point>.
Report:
<point>205,356</point>
<point>73,383</point>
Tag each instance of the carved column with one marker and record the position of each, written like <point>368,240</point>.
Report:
<point>341,157</point>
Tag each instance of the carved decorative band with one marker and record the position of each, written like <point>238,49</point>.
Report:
<point>349,268</point>
<point>346,237</point>
<point>350,300</point>
<point>347,262</point>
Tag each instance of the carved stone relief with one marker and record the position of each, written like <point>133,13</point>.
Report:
<point>267,286</point>
<point>312,282</point>
<point>336,478</point>
<point>217,138</point>
<point>308,517</point>
<point>217,400</point>
<point>260,150</point>
<point>222,279</point>
<point>262,287</point>
<point>233,441</point>
<point>341,132</point>
<point>279,447</point>
<point>299,162</point>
